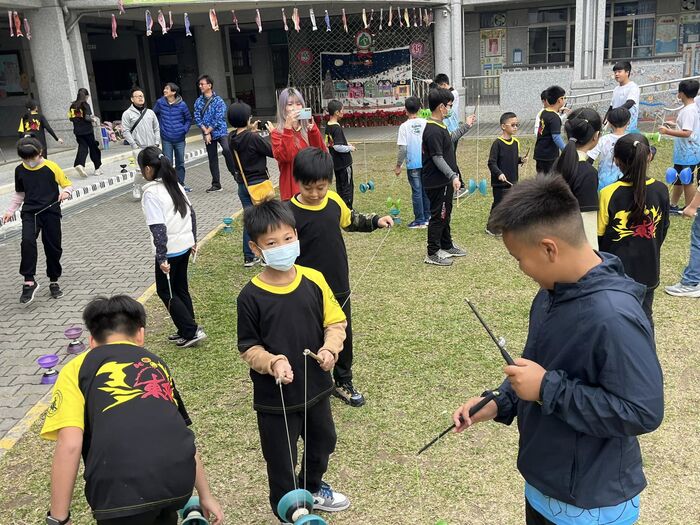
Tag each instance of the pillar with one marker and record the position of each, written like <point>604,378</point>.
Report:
<point>210,58</point>
<point>442,41</point>
<point>53,68</point>
<point>77,49</point>
<point>263,75</point>
<point>588,44</point>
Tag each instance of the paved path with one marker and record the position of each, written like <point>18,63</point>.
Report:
<point>106,251</point>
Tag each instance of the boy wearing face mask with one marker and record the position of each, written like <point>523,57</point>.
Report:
<point>40,187</point>
<point>281,312</point>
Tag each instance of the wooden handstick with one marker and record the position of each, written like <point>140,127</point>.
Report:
<point>314,356</point>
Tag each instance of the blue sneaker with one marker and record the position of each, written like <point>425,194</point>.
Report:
<point>416,225</point>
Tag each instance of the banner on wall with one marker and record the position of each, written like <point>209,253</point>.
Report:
<point>493,54</point>
<point>690,40</point>
<point>367,80</point>
<point>666,35</point>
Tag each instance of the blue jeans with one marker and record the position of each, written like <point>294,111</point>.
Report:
<point>421,204</point>
<point>244,196</point>
<point>691,274</point>
<point>179,149</point>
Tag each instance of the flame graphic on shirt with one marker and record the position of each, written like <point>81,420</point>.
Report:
<point>646,230</point>
<point>151,380</point>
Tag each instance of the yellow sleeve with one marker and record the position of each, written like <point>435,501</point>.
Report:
<point>345,212</point>
<point>603,212</point>
<point>67,407</point>
<point>21,126</point>
<point>332,313</point>
<point>60,177</point>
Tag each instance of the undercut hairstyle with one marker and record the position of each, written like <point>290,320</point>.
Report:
<point>134,90</point>
<point>623,66</point>
<point>267,217</point>
<point>439,96</point>
<point>554,93</point>
<point>312,165</point>
<point>28,148</point>
<point>507,116</point>
<point>619,117</point>
<point>207,78</point>
<point>413,105</point>
<point>689,88</point>
<point>334,106</point>
<point>543,95</point>
<point>442,78</point>
<point>120,314</point>
<point>537,208</point>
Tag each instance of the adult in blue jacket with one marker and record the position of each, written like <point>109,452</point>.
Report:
<point>589,381</point>
<point>175,119</point>
<point>210,116</point>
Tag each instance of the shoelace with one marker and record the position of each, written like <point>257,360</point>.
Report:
<point>325,491</point>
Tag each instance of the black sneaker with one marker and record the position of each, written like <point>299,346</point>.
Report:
<point>214,189</point>
<point>55,290</point>
<point>248,262</point>
<point>455,251</point>
<point>175,338</point>
<point>28,291</point>
<point>437,260</point>
<point>198,336</point>
<point>347,393</point>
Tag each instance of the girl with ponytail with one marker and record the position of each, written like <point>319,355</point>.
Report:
<point>583,130</point>
<point>634,216</point>
<point>173,224</point>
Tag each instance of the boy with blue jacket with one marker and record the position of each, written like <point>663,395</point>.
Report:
<point>589,381</point>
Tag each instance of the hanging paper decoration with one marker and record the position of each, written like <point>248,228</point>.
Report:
<point>296,20</point>
<point>420,17</point>
<point>328,22</point>
<point>213,20</point>
<point>114,27</point>
<point>149,23</point>
<point>364,18</point>
<point>406,18</point>
<point>120,5</point>
<point>161,22</point>
<point>345,21</point>
<point>398,14</point>
<point>381,18</point>
<point>258,20</point>
<point>415,19</point>
<point>235,20</point>
<point>371,17</point>
<point>312,16</point>
<point>187,25</point>
<point>27,30</point>
<point>18,24</point>
<point>12,30</point>
<point>170,16</point>
<point>391,15</point>
<point>284,20</point>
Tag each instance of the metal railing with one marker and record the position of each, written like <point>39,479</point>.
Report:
<point>663,86</point>
<point>485,87</point>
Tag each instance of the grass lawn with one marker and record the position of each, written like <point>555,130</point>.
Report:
<point>419,354</point>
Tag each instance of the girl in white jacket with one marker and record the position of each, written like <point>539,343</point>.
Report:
<point>172,221</point>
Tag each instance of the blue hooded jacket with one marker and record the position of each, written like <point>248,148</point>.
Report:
<point>603,387</point>
<point>175,119</point>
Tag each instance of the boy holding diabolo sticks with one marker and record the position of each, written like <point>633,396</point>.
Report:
<point>582,394</point>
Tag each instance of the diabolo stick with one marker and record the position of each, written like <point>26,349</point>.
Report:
<point>312,355</point>
<point>500,342</point>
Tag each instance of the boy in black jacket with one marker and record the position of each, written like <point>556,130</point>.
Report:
<point>341,152</point>
<point>589,381</point>
<point>281,312</point>
<point>320,214</point>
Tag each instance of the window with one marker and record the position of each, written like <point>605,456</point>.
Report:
<point>550,35</point>
<point>633,24</point>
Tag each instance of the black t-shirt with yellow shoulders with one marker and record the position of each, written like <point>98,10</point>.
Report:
<point>321,242</point>
<point>549,125</point>
<point>286,320</point>
<point>138,451</point>
<point>637,245</point>
<point>41,186</point>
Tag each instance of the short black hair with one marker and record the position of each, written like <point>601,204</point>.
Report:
<point>134,90</point>
<point>173,87</point>
<point>554,93</point>
<point>442,78</point>
<point>265,217</point>
<point>28,148</point>
<point>432,85</point>
<point>619,117</point>
<point>439,96</point>
<point>207,78</point>
<point>31,104</point>
<point>119,314</point>
<point>506,116</point>
<point>312,165</point>
<point>536,208</point>
<point>413,105</point>
<point>543,95</point>
<point>689,88</point>
<point>622,65</point>
<point>334,106</point>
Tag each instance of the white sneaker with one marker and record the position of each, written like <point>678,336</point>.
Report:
<point>683,290</point>
<point>81,171</point>
<point>97,172</point>
<point>329,500</point>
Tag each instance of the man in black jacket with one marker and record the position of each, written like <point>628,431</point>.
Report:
<point>589,381</point>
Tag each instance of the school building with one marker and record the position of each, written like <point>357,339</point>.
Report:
<point>506,51</point>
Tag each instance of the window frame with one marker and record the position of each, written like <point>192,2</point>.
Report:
<point>569,24</point>
<point>610,21</point>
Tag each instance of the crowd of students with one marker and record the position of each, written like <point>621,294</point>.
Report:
<point>581,396</point>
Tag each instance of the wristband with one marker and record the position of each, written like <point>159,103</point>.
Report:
<point>50,520</point>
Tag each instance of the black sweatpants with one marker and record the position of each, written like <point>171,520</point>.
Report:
<point>439,234</point>
<point>87,143</point>
<point>532,517</point>
<point>343,367</point>
<point>498,193</point>
<point>164,516</point>
<point>544,166</point>
<point>48,223</point>
<point>320,444</point>
<point>344,185</point>
<point>213,156</point>
<point>180,305</point>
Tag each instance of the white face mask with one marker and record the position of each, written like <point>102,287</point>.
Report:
<point>281,258</point>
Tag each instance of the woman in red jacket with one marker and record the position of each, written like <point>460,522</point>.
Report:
<point>290,136</point>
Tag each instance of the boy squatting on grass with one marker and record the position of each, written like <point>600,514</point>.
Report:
<point>281,312</point>
<point>118,405</point>
<point>589,381</point>
<point>319,214</point>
